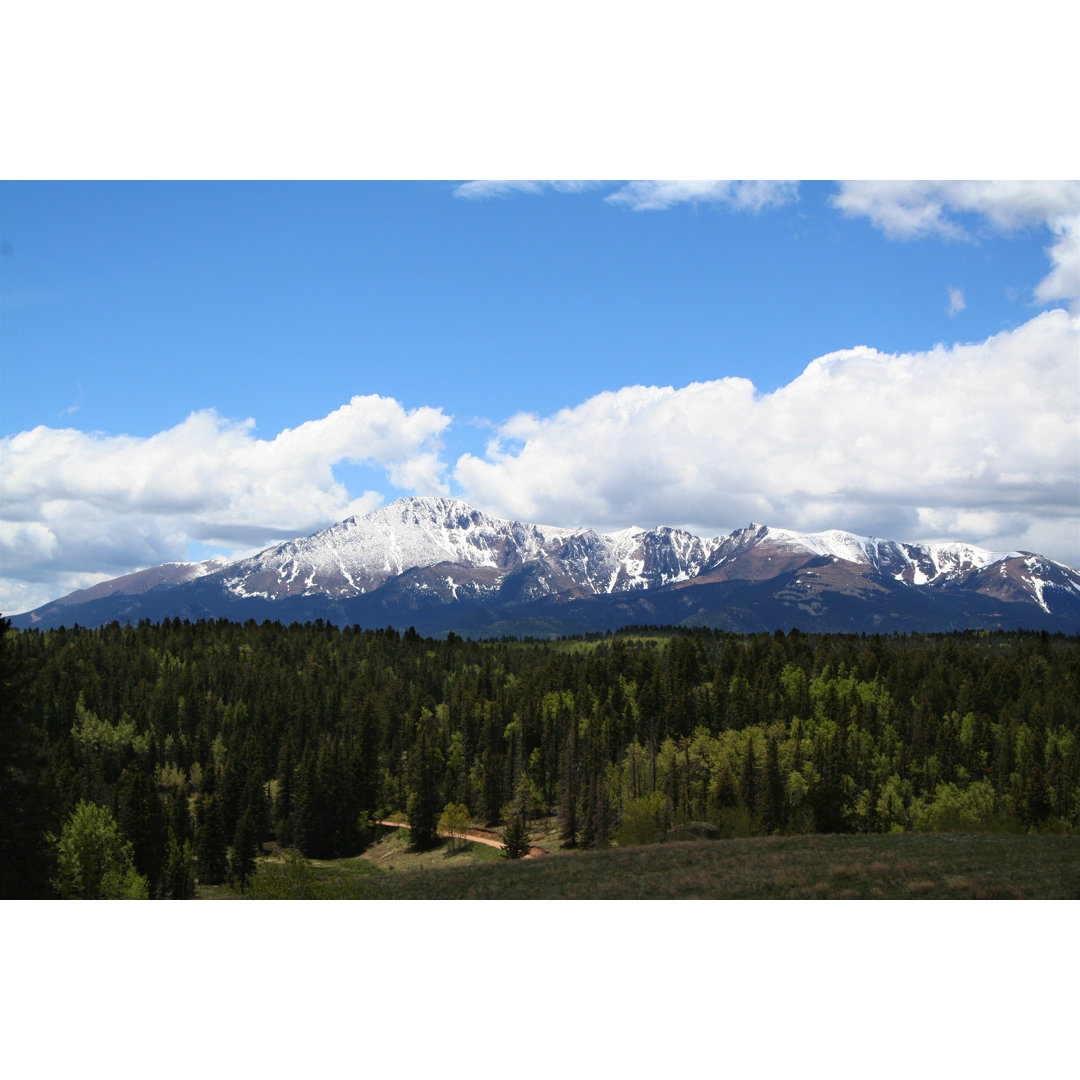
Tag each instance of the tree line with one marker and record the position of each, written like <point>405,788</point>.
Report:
<point>138,760</point>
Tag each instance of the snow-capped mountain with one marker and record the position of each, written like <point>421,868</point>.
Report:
<point>442,564</point>
<point>358,555</point>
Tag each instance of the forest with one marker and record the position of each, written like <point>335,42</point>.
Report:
<point>141,760</point>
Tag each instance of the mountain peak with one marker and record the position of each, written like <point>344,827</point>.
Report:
<point>412,509</point>
<point>439,504</point>
<point>436,552</point>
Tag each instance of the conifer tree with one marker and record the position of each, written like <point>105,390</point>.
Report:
<point>211,848</point>
<point>142,820</point>
<point>423,807</point>
<point>25,815</point>
<point>178,877</point>
<point>748,778</point>
<point>774,803</point>
<point>244,847</point>
<point>179,815</point>
<point>515,839</point>
<point>298,828</point>
<point>569,787</point>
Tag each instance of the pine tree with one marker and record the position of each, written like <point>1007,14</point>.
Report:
<point>142,820</point>
<point>774,805</point>
<point>283,803</point>
<point>569,788</point>
<point>25,815</point>
<point>179,814</point>
<point>423,804</point>
<point>748,779</point>
<point>178,877</point>
<point>515,839</point>
<point>242,857</point>
<point>211,848</point>
<point>300,832</point>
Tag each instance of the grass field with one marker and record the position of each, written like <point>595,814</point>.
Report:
<point>937,866</point>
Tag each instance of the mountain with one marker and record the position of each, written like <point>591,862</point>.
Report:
<point>440,565</point>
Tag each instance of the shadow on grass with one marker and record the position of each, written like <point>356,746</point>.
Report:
<point>902,867</point>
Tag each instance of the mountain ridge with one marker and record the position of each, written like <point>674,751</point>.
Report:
<point>452,566</point>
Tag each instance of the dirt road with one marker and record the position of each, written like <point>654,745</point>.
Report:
<point>478,836</point>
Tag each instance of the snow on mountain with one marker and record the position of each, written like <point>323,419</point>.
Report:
<point>943,564</point>
<point>361,554</point>
<point>913,563</point>
<point>423,552</point>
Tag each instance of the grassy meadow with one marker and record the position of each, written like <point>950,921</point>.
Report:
<point>940,866</point>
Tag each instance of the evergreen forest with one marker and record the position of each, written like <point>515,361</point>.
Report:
<point>140,760</point>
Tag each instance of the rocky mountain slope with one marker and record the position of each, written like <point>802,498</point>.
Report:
<point>441,565</point>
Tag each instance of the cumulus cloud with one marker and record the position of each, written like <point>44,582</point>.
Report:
<point>957,303</point>
<point>1063,282</point>
<point>975,442</point>
<point>79,507</point>
<point>907,209</point>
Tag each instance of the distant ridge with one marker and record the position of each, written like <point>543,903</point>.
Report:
<point>440,565</point>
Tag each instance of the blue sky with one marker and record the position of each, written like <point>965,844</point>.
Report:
<point>161,340</point>
<point>136,303</point>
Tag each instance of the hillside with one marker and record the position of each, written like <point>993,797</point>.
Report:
<point>913,867</point>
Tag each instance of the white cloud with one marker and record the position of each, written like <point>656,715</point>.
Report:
<point>957,303</point>
<point>913,208</point>
<point>978,441</point>
<point>491,189</point>
<point>79,506</point>
<point>753,195</point>
<point>1063,282</point>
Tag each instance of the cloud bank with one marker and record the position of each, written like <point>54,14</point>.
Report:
<point>79,507</point>
<point>975,442</point>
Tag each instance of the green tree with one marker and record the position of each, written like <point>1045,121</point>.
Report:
<point>454,823</point>
<point>569,789</point>
<point>515,839</point>
<point>142,820</point>
<point>244,847</point>
<point>178,878</point>
<point>641,820</point>
<point>24,811</point>
<point>211,847</point>
<point>287,878</point>
<point>94,861</point>
<point>748,778</point>
<point>774,805</point>
<point>422,808</point>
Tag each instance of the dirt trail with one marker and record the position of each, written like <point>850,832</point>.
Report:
<point>479,836</point>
